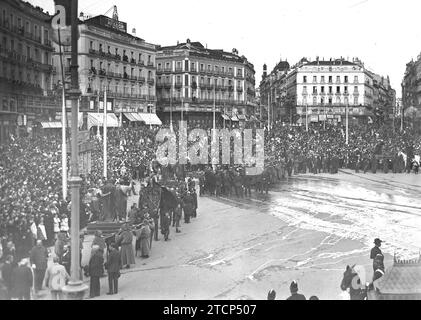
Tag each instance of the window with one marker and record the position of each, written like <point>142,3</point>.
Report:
<point>355,101</point>
<point>202,67</point>
<point>323,89</point>
<point>346,89</point>
<point>305,90</point>
<point>330,100</point>
<point>338,100</point>
<point>186,80</point>
<point>314,79</point>
<point>323,79</point>
<point>91,45</point>
<point>305,79</point>
<point>178,65</point>
<point>240,72</point>
<point>346,79</point>
<point>322,101</point>
<point>109,49</point>
<point>330,79</point>
<point>209,67</point>
<point>338,89</point>
<point>346,100</point>
<point>92,63</point>
<point>186,65</point>
<point>355,89</point>
<point>100,48</point>
<point>167,65</point>
<point>159,66</point>
<point>314,101</point>
<point>330,89</point>
<point>338,79</point>
<point>355,79</point>
<point>314,89</point>
<point>193,66</point>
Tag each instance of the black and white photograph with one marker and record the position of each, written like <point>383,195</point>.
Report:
<point>226,150</point>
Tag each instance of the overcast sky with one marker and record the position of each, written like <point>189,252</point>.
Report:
<point>383,34</point>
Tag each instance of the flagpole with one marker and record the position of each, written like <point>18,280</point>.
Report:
<point>347,123</point>
<point>98,133</point>
<point>214,117</point>
<point>306,117</point>
<point>105,134</point>
<point>63,125</point>
<point>171,127</point>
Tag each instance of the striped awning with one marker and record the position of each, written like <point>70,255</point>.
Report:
<point>150,119</point>
<point>234,118</point>
<point>242,117</point>
<point>51,125</point>
<point>225,117</point>
<point>133,117</point>
<point>97,120</point>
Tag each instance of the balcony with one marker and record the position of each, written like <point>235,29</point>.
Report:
<point>230,74</point>
<point>102,73</point>
<point>141,63</point>
<point>151,81</point>
<point>178,85</point>
<point>141,79</point>
<point>239,89</point>
<point>167,70</point>
<point>193,70</point>
<point>125,58</point>
<point>150,64</point>
<point>133,61</point>
<point>178,69</point>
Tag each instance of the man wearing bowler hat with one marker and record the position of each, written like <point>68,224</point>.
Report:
<point>375,251</point>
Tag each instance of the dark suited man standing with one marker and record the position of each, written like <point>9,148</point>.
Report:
<point>113,269</point>
<point>96,270</point>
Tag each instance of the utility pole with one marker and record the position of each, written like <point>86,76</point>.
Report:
<point>347,123</point>
<point>306,117</point>
<point>75,290</point>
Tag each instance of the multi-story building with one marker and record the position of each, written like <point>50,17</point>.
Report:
<point>192,80</point>
<point>411,91</point>
<point>322,91</point>
<point>111,59</point>
<point>25,67</point>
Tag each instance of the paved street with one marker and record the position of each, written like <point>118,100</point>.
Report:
<point>307,229</point>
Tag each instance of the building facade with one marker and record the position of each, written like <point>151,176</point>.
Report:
<point>192,79</point>
<point>26,69</point>
<point>320,90</point>
<point>112,60</point>
<point>411,92</point>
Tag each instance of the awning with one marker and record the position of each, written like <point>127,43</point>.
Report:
<point>225,117</point>
<point>242,117</point>
<point>51,125</point>
<point>97,119</point>
<point>150,119</point>
<point>234,118</point>
<point>133,117</point>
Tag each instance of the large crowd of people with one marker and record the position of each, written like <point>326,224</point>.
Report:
<point>32,208</point>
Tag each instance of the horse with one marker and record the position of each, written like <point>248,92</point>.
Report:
<point>354,280</point>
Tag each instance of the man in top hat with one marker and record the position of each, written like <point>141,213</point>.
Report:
<point>294,292</point>
<point>375,251</point>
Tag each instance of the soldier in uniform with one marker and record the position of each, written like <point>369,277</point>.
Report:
<point>374,164</point>
<point>201,184</point>
<point>187,204</point>
<point>238,183</point>
<point>218,182</point>
<point>247,185</point>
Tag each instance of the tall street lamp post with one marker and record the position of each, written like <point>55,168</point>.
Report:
<point>75,290</point>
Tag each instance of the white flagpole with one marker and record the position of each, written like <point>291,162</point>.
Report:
<point>306,117</point>
<point>105,133</point>
<point>347,124</point>
<point>214,118</point>
<point>64,146</point>
<point>98,133</point>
